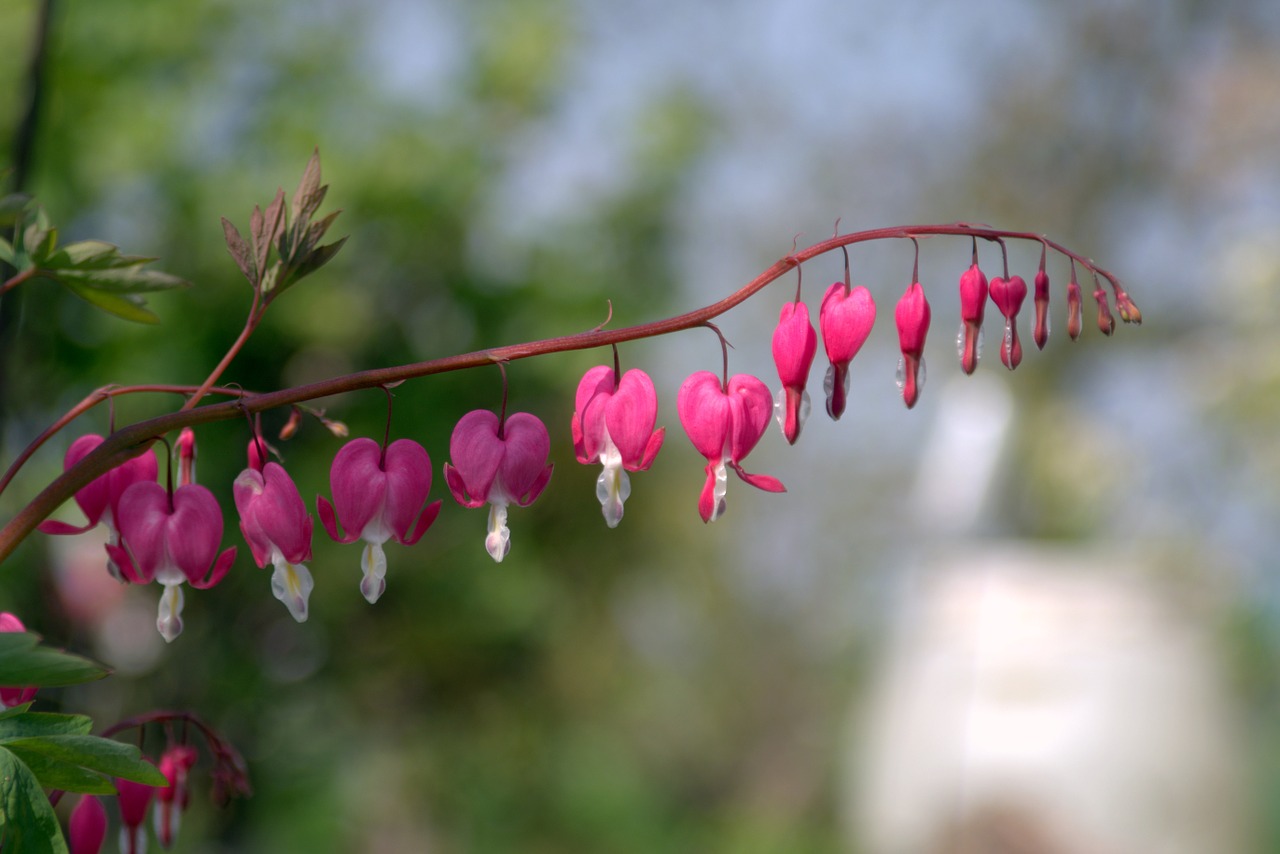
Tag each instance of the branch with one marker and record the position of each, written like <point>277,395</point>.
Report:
<point>130,441</point>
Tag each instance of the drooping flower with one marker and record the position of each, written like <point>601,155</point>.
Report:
<point>912,318</point>
<point>794,346</point>
<point>11,695</point>
<point>134,799</point>
<point>87,827</point>
<point>100,499</point>
<point>172,800</point>
<point>277,527</point>
<point>499,463</point>
<point>724,425</point>
<point>1008,295</point>
<point>1042,308</point>
<point>377,497</point>
<point>613,424</point>
<point>845,318</point>
<point>973,303</point>
<point>170,538</point>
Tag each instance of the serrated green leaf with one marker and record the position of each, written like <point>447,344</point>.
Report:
<point>126,306</point>
<point>104,755</point>
<point>27,820</point>
<point>123,281</point>
<point>239,250</point>
<point>272,228</point>
<point>43,724</point>
<point>269,280</point>
<point>23,662</point>
<point>309,195</point>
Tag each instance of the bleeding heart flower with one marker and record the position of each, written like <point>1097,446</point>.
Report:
<point>277,527</point>
<point>912,318</point>
<point>613,424</point>
<point>724,425</point>
<point>1008,295</point>
<point>170,538</point>
<point>845,318</point>
<point>973,303</point>
<point>377,496</point>
<point>794,346</point>
<point>100,499</point>
<point>172,800</point>
<point>134,799</point>
<point>499,463</point>
<point>87,827</point>
<point>10,695</point>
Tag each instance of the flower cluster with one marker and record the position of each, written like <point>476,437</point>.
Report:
<point>166,805</point>
<point>381,490</point>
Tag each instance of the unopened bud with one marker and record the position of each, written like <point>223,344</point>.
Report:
<point>291,426</point>
<point>1106,323</point>
<point>186,456</point>
<point>1074,311</point>
<point>1042,309</point>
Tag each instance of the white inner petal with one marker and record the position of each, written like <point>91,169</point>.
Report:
<point>291,583</point>
<point>373,563</point>
<point>498,540</point>
<point>613,487</point>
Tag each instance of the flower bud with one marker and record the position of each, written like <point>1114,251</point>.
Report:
<point>1042,309</point>
<point>912,318</point>
<point>973,303</point>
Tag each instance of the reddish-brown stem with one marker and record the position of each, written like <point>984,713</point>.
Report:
<point>250,324</point>
<point>98,396</point>
<point>19,278</point>
<point>129,441</point>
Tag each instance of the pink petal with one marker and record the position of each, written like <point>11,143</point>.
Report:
<point>194,530</point>
<point>424,522</point>
<point>707,500</point>
<point>330,522</point>
<point>650,451</point>
<point>846,319</point>
<point>794,345</point>
<point>751,406</point>
<point>408,482</point>
<point>630,416</point>
<point>476,453</point>
<point>358,483</point>
<point>144,512</point>
<point>247,490</point>
<point>283,516</point>
<point>704,413</point>
<point>219,570</point>
<point>94,498</point>
<point>524,470</point>
<point>759,481</point>
<point>586,421</point>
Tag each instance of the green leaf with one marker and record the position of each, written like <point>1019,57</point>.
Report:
<point>42,724</point>
<point>126,306</point>
<point>52,773</point>
<point>14,711</point>
<point>24,662</point>
<point>6,252</point>
<point>27,821</point>
<point>117,281</point>
<point>316,259</point>
<point>104,755</point>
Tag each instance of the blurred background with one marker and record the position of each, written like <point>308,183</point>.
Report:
<point>1038,613</point>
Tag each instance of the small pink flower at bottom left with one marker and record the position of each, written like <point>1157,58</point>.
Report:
<point>11,696</point>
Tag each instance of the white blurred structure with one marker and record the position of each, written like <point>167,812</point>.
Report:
<point>1042,701</point>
